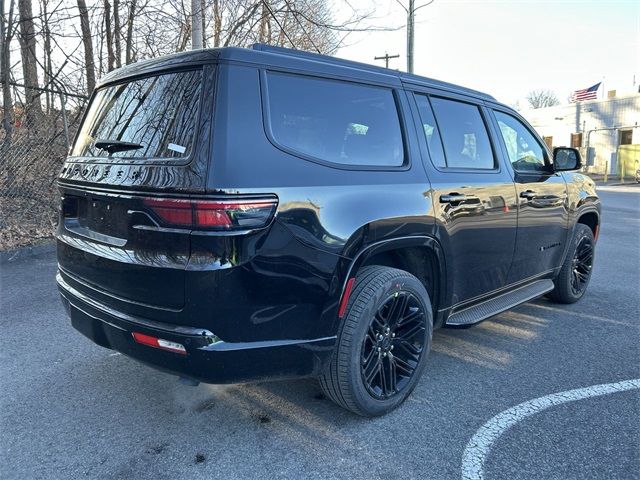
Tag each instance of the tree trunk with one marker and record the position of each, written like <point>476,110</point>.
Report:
<point>87,42</point>
<point>107,27</point>
<point>202,19</point>
<point>129,47</point>
<point>217,23</point>
<point>117,33</point>
<point>48,65</point>
<point>264,21</point>
<point>6,32</point>
<point>29,62</point>
<point>6,29</point>
<point>101,36</point>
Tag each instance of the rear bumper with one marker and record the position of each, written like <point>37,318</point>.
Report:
<point>208,358</point>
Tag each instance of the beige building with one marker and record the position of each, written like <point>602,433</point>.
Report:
<point>602,129</point>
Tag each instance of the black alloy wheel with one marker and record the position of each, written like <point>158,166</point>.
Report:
<point>582,264</point>
<point>571,282</point>
<point>394,343</point>
<point>382,344</point>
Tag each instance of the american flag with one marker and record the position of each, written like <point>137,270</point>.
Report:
<point>586,93</point>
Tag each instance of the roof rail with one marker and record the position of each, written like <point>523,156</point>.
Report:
<point>403,76</point>
<point>319,57</point>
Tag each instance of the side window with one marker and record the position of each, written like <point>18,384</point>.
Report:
<point>430,129</point>
<point>335,121</point>
<point>464,134</point>
<point>525,152</point>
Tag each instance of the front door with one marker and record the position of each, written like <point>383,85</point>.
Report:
<point>542,201</point>
<point>473,196</point>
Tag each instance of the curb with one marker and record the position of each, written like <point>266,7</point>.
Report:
<point>49,246</point>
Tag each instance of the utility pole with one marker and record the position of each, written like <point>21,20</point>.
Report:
<point>196,25</point>
<point>411,15</point>
<point>386,57</point>
<point>411,11</point>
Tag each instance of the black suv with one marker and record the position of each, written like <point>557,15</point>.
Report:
<point>236,215</point>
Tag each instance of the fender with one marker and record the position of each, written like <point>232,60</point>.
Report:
<point>347,269</point>
<point>575,215</point>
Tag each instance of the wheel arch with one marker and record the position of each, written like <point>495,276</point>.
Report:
<point>590,218</point>
<point>422,256</point>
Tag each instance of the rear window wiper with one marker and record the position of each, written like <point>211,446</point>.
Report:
<point>113,146</point>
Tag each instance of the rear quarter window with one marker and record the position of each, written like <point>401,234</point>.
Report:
<point>334,121</point>
<point>157,115</point>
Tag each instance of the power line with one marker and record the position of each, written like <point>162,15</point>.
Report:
<point>264,2</point>
<point>302,27</point>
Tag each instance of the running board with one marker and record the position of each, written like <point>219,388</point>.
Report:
<point>496,305</point>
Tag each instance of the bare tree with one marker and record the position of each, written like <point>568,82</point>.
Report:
<point>87,42</point>
<point>27,39</point>
<point>111,59</point>
<point>47,64</point>
<point>217,22</point>
<point>6,32</point>
<point>264,22</point>
<point>129,40</point>
<point>542,98</point>
<point>117,32</point>
<point>83,39</point>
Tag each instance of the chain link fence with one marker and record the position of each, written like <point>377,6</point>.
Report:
<point>32,151</point>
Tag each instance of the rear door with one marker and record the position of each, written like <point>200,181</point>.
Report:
<point>473,195</point>
<point>141,139</point>
<point>542,199</point>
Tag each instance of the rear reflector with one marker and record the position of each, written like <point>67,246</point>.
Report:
<point>345,297</point>
<point>159,343</point>
<point>213,214</point>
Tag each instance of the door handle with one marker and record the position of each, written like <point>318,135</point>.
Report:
<point>528,194</point>
<point>453,198</point>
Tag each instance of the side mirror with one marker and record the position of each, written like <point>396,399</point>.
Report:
<point>565,158</point>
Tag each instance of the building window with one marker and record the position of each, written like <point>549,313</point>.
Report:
<point>625,137</point>
<point>549,142</point>
<point>576,140</point>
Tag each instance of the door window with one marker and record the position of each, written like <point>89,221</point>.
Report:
<point>464,135</point>
<point>525,152</point>
<point>430,130</point>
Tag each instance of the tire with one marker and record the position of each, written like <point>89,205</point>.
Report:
<point>575,273</point>
<point>368,336</point>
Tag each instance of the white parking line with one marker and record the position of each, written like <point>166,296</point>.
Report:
<point>477,450</point>
<point>619,188</point>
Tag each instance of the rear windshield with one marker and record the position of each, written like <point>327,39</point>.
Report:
<point>152,117</point>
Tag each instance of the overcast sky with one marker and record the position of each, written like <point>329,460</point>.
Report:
<point>507,48</point>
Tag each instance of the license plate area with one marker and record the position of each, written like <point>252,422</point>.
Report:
<point>106,216</point>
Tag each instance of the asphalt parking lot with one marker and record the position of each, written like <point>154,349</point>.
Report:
<point>70,409</point>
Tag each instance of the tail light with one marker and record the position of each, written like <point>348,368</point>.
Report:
<point>213,214</point>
